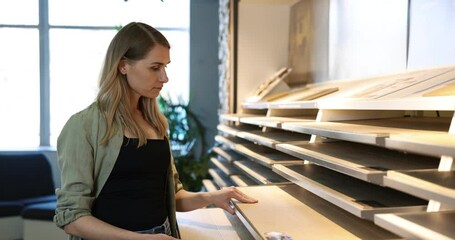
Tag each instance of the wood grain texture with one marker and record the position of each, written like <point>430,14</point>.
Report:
<point>209,224</point>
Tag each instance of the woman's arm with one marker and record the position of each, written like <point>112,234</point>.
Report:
<point>89,227</point>
<point>188,201</point>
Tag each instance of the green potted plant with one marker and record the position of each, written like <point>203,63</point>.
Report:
<point>186,136</point>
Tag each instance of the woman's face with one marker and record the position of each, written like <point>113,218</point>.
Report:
<point>146,77</point>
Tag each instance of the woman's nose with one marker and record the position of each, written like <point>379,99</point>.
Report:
<point>163,77</point>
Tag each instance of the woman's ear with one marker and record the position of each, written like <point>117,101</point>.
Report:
<point>122,67</point>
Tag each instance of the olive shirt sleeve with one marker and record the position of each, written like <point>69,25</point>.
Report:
<point>175,175</point>
<point>76,163</point>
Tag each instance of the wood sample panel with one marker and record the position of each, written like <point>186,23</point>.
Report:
<point>353,195</point>
<point>242,181</point>
<point>209,224</point>
<point>275,122</point>
<point>366,162</point>
<point>371,131</point>
<point>301,215</point>
<point>433,144</point>
<point>228,154</point>
<point>272,137</point>
<point>427,184</point>
<point>220,179</point>
<point>266,156</point>
<point>226,167</point>
<point>262,175</point>
<point>428,225</point>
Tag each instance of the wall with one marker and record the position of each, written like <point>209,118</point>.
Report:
<point>367,37</point>
<point>204,64</point>
<point>263,37</point>
<point>203,72</point>
<point>341,39</point>
<point>431,33</point>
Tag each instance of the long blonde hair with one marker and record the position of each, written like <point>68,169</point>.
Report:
<point>132,42</point>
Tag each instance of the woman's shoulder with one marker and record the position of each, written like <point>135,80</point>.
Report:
<point>85,117</point>
<point>90,112</point>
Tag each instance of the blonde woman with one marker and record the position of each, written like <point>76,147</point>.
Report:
<point>118,179</point>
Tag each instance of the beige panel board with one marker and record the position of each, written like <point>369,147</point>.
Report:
<point>353,195</point>
<point>394,86</point>
<point>365,162</point>
<point>275,122</point>
<point>302,215</point>
<point>429,225</point>
<point>234,130</point>
<point>234,117</point>
<point>427,184</point>
<point>443,103</point>
<point>209,224</point>
<point>230,142</point>
<point>444,90</point>
<point>220,178</point>
<point>266,156</point>
<point>371,131</point>
<point>260,174</point>
<point>226,167</point>
<point>273,137</point>
<point>228,154</point>
<point>433,144</point>
<point>242,181</point>
<point>255,106</point>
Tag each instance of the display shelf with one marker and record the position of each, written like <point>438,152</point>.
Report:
<point>427,184</point>
<point>235,117</point>
<point>242,180</point>
<point>372,145</point>
<point>307,93</point>
<point>312,104</point>
<point>442,103</point>
<point>231,142</point>
<point>235,130</point>
<point>255,105</point>
<point>372,131</point>
<point>219,178</point>
<point>353,195</point>
<point>404,84</point>
<point>262,175</point>
<point>272,137</point>
<point>226,167</point>
<point>228,154</point>
<point>209,185</point>
<point>301,215</point>
<point>275,122</point>
<point>433,144</point>
<point>365,162</point>
<point>428,225</point>
<point>266,156</point>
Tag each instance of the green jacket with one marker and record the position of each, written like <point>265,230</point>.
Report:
<point>85,165</point>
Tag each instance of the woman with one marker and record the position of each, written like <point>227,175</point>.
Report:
<point>117,172</point>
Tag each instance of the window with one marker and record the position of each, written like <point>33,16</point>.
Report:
<point>71,42</point>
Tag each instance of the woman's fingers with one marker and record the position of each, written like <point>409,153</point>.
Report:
<point>229,208</point>
<point>227,194</point>
<point>242,197</point>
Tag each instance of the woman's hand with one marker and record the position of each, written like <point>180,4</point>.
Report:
<point>156,237</point>
<point>222,198</point>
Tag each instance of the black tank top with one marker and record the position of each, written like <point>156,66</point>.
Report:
<point>134,197</point>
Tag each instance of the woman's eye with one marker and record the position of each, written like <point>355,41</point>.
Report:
<point>156,68</point>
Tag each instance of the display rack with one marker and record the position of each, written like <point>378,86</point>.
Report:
<point>379,149</point>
